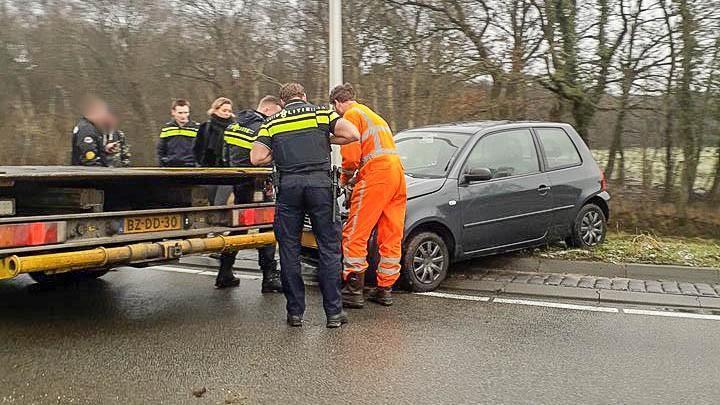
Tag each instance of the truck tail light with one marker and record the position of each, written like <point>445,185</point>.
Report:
<point>32,234</point>
<point>603,181</point>
<point>253,216</point>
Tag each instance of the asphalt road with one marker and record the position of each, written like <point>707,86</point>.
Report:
<point>148,336</point>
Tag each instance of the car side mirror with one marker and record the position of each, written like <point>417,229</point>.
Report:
<point>479,174</point>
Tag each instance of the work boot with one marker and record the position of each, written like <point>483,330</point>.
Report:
<point>337,320</point>
<point>352,291</point>
<point>271,281</point>
<point>294,320</point>
<point>225,277</point>
<point>381,295</point>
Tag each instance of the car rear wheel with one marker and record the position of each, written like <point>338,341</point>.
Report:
<point>425,262</point>
<point>589,228</point>
<point>61,278</point>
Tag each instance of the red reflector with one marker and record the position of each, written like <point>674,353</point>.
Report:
<point>253,216</point>
<point>32,234</point>
<point>603,181</point>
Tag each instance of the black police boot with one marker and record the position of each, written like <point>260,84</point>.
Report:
<point>337,320</point>
<point>294,320</point>
<point>225,277</point>
<point>352,291</point>
<point>271,281</point>
<point>381,295</point>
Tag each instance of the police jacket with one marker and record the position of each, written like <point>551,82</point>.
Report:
<point>299,137</point>
<point>88,145</point>
<point>239,137</point>
<point>175,147</point>
<point>210,144</point>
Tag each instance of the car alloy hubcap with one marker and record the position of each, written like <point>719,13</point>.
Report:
<point>428,262</point>
<point>591,228</point>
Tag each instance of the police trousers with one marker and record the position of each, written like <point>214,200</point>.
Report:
<point>243,193</point>
<point>299,195</point>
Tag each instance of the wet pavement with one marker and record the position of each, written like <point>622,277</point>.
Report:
<point>145,336</point>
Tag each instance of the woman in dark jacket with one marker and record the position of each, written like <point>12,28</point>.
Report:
<point>209,143</point>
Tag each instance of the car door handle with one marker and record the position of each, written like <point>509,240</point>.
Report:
<point>543,189</point>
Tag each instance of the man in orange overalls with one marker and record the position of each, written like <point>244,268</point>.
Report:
<point>374,170</point>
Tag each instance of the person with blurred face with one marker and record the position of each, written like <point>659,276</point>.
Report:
<point>89,147</point>
<point>177,137</point>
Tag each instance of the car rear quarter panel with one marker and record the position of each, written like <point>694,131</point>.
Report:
<point>573,186</point>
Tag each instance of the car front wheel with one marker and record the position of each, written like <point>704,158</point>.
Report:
<point>425,262</point>
<point>589,228</point>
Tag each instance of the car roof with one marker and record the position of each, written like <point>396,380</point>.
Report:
<point>473,127</point>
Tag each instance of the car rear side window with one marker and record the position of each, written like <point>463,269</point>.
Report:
<point>506,153</point>
<point>560,151</point>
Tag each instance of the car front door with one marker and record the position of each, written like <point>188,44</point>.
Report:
<point>512,206</point>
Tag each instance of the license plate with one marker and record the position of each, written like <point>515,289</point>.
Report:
<point>152,223</point>
<point>308,240</point>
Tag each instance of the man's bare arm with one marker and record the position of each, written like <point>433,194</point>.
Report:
<point>260,155</point>
<point>344,133</point>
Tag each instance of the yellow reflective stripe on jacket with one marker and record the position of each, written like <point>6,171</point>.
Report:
<point>277,121</point>
<point>307,123</point>
<point>326,116</point>
<point>234,134</point>
<point>237,141</point>
<point>168,132</point>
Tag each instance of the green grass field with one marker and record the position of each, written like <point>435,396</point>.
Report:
<point>654,160</point>
<point>628,248</point>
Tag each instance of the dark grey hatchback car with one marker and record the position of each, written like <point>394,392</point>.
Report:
<point>483,188</point>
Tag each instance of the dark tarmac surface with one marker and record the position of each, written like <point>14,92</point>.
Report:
<point>143,336</point>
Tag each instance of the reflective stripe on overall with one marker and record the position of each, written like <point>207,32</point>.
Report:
<point>377,202</point>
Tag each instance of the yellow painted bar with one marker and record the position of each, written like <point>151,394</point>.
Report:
<point>101,257</point>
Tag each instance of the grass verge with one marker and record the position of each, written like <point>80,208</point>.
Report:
<point>643,248</point>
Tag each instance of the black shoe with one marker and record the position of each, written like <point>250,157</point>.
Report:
<point>227,283</point>
<point>381,295</point>
<point>337,320</point>
<point>352,291</point>
<point>294,320</point>
<point>271,282</point>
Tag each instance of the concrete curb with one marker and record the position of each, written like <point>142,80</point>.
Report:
<point>610,270</point>
<point>588,294</point>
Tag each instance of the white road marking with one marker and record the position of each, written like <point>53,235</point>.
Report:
<point>671,314</point>
<point>556,305</point>
<point>462,297</point>
<point>455,296</point>
<point>174,269</point>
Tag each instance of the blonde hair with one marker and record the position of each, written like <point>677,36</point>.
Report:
<point>219,102</point>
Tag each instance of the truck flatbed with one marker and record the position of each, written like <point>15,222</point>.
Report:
<point>57,219</point>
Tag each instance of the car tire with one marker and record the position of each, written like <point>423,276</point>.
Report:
<point>425,264</point>
<point>62,278</point>
<point>589,228</point>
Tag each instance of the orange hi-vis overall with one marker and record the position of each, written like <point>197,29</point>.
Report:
<point>378,199</point>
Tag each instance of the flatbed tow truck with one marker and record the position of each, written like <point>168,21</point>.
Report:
<point>67,222</point>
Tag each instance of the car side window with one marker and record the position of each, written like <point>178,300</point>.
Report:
<point>560,151</point>
<point>505,154</point>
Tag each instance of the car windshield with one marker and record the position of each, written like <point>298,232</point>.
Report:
<point>428,154</point>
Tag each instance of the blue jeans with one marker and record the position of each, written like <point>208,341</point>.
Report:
<point>311,194</point>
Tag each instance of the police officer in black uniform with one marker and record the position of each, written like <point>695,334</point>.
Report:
<point>298,139</point>
<point>88,142</point>
<point>239,138</point>
<point>177,137</point>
